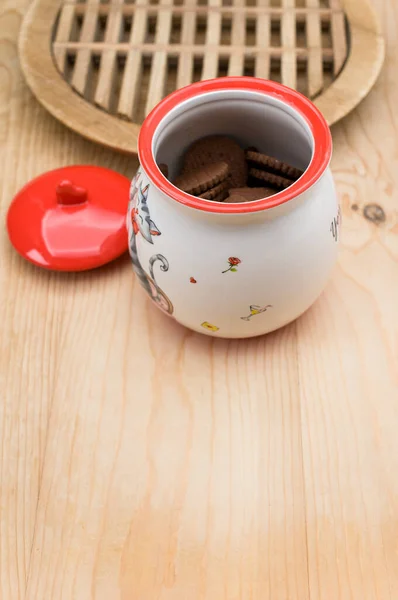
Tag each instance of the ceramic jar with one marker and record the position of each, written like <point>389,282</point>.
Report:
<point>234,270</point>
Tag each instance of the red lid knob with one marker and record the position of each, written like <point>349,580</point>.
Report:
<point>71,219</point>
<point>68,193</point>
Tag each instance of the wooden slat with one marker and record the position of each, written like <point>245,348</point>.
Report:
<point>314,44</point>
<point>175,49</point>
<point>133,67</point>
<point>339,38</point>
<point>288,27</point>
<point>65,27</point>
<point>238,38</point>
<point>157,81</point>
<point>274,12</point>
<point>213,35</point>
<point>83,58</point>
<point>263,31</point>
<point>108,67</point>
<point>185,63</point>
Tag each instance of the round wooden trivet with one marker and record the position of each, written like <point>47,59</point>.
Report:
<point>100,66</point>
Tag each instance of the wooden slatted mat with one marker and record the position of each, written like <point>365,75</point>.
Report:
<point>114,60</point>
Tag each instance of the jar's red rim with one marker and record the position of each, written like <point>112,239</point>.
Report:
<point>319,128</point>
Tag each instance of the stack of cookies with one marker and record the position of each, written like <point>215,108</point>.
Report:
<point>217,168</point>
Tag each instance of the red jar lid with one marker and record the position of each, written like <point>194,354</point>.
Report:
<point>71,219</point>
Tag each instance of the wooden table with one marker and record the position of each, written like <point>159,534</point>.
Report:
<point>140,461</point>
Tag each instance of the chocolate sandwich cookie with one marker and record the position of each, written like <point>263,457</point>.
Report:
<point>217,193</point>
<point>203,179</point>
<point>217,148</point>
<point>247,194</point>
<point>259,160</point>
<point>274,180</point>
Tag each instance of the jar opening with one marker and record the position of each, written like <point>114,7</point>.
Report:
<point>276,120</point>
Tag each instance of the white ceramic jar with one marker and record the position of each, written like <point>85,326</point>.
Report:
<point>234,270</point>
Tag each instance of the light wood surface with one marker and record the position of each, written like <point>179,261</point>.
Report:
<point>115,60</point>
<point>139,461</point>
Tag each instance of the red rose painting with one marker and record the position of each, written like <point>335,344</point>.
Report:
<point>233,262</point>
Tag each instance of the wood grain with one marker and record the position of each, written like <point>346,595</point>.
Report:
<point>213,35</point>
<point>104,93</point>
<point>83,58</point>
<point>133,69</point>
<point>263,34</point>
<point>140,461</point>
<point>314,42</point>
<point>238,37</point>
<point>185,62</point>
<point>288,35</point>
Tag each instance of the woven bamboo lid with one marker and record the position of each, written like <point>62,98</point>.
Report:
<point>100,66</point>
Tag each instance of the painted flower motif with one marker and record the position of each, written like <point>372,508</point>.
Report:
<point>233,262</point>
<point>209,326</point>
